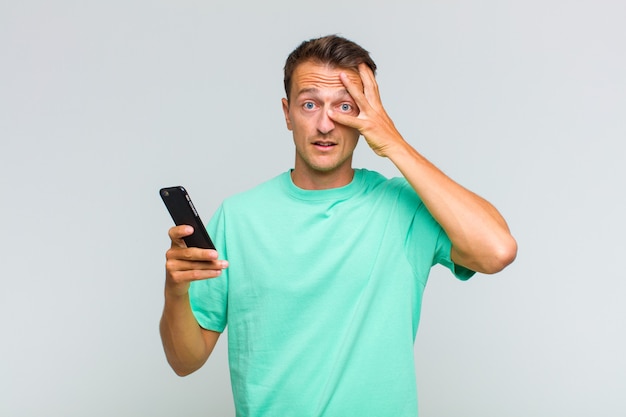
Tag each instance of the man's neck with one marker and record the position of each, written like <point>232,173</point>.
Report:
<point>321,180</point>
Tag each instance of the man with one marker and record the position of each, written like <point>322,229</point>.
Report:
<point>326,263</point>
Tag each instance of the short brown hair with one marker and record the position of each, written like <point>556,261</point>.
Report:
<point>333,50</point>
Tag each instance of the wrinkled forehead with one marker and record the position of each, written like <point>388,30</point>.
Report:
<point>313,75</point>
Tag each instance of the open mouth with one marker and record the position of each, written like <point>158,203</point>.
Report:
<point>324,144</point>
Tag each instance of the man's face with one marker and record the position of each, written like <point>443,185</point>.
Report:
<point>322,146</point>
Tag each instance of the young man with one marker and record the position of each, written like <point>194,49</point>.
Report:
<point>327,264</point>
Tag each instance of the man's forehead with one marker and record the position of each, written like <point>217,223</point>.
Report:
<point>312,75</point>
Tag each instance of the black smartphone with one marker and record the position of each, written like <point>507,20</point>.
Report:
<point>183,211</point>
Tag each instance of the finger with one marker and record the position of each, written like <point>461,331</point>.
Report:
<point>345,119</point>
<point>177,233</point>
<point>370,86</point>
<point>191,254</point>
<point>176,265</point>
<point>207,265</point>
<point>355,90</point>
<point>367,77</point>
<point>182,270</point>
<point>186,276</point>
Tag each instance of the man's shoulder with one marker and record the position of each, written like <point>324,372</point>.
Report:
<point>371,177</point>
<point>376,181</point>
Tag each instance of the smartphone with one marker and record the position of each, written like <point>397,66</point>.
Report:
<point>183,211</point>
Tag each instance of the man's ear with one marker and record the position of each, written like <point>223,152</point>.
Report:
<point>286,112</point>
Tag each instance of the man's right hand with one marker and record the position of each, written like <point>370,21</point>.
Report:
<point>186,344</point>
<point>184,264</point>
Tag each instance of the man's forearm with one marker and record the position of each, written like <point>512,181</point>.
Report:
<point>187,346</point>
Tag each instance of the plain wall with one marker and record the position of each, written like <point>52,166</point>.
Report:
<point>103,103</point>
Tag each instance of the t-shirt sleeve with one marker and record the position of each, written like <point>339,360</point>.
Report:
<point>209,297</point>
<point>427,242</point>
<point>442,256</point>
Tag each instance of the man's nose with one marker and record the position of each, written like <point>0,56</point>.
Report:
<point>324,123</point>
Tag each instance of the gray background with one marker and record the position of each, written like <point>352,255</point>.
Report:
<point>102,103</point>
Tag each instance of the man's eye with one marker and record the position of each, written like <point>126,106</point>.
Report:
<point>309,105</point>
<point>345,107</point>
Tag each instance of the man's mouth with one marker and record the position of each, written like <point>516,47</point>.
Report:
<point>324,144</point>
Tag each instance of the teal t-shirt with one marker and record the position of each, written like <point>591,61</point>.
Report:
<point>322,296</point>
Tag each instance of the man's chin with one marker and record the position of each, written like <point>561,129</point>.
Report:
<point>329,168</point>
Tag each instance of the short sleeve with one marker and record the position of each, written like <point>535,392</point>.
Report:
<point>427,243</point>
<point>442,257</point>
<point>209,297</point>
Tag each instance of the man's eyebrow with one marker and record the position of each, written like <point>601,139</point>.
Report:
<point>315,90</point>
<point>312,90</point>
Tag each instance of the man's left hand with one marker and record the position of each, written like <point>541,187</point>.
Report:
<point>373,122</point>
